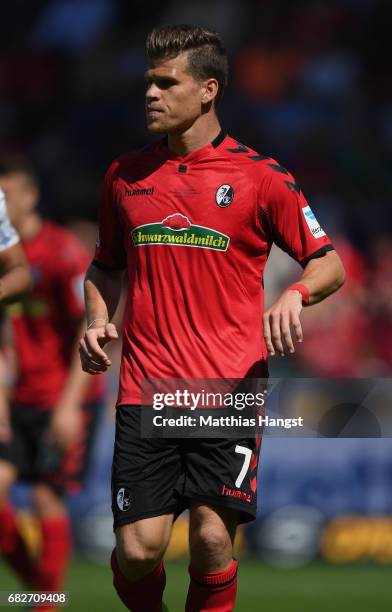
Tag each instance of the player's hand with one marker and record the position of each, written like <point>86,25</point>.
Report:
<point>279,320</point>
<point>93,357</point>
<point>5,424</point>
<point>65,425</point>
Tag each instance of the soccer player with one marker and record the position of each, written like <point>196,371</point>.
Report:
<point>15,276</point>
<point>192,219</point>
<point>53,404</point>
<point>15,280</point>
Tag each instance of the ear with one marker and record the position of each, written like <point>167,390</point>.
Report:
<point>209,91</point>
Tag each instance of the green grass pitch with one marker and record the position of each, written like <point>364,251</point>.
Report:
<point>316,588</point>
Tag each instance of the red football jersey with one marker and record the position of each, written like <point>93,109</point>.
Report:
<point>45,323</point>
<point>194,233</point>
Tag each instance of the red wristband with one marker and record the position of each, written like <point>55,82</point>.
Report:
<point>304,291</point>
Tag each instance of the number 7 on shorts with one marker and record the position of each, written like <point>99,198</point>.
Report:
<point>243,450</point>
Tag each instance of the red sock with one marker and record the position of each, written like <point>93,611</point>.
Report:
<point>144,595</point>
<point>215,591</point>
<point>55,555</point>
<point>13,546</point>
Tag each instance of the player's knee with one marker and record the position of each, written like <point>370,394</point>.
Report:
<point>210,542</point>
<point>136,560</point>
<point>141,545</point>
<point>139,556</point>
<point>135,551</point>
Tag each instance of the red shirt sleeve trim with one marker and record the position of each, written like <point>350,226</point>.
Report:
<point>319,253</point>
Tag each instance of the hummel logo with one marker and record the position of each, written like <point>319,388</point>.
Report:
<point>236,493</point>
<point>142,191</point>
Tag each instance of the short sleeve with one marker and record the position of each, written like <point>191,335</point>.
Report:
<point>291,222</point>
<point>8,234</point>
<point>110,252</point>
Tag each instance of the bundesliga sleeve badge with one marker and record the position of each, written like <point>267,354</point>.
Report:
<point>312,222</point>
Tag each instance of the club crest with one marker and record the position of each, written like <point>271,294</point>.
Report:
<point>224,195</point>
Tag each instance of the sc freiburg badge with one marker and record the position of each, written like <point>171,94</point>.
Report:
<point>224,195</point>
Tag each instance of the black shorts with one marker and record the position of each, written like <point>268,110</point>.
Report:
<point>37,460</point>
<point>151,477</point>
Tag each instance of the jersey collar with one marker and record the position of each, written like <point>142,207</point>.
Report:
<point>195,155</point>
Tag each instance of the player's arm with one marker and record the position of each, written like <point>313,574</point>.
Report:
<point>102,290</point>
<point>103,282</point>
<point>15,275</point>
<point>294,228</point>
<point>321,277</point>
<point>15,281</point>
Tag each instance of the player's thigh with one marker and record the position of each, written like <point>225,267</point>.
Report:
<point>212,518</point>
<point>145,539</point>
<point>145,472</point>
<point>8,475</point>
<point>212,531</point>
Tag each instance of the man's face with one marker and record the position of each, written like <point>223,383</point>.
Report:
<point>21,195</point>
<point>173,96</point>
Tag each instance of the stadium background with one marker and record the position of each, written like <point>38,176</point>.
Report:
<point>310,85</point>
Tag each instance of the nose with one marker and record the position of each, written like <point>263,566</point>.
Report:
<point>152,92</point>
